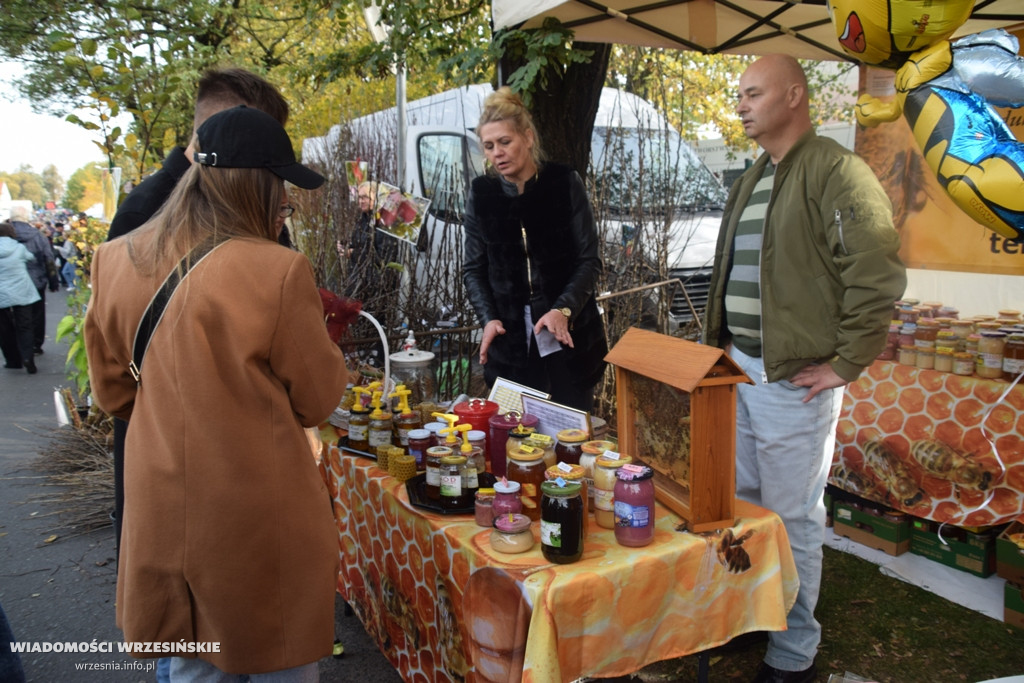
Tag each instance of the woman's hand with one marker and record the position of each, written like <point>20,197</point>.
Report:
<point>558,324</point>
<point>491,330</point>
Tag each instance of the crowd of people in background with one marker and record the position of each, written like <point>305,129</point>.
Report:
<point>48,259</point>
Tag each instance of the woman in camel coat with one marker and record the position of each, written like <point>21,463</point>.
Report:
<point>229,536</point>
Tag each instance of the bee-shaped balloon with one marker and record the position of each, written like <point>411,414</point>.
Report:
<point>946,92</point>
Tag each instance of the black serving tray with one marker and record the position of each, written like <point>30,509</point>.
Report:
<point>345,450</point>
<point>416,488</point>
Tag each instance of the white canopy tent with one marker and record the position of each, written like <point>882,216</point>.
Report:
<point>753,27</point>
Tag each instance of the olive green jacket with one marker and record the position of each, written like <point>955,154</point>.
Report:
<point>830,273</point>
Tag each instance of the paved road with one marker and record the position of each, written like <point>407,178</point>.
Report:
<point>63,591</point>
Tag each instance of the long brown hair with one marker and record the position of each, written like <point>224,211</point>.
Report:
<point>210,204</point>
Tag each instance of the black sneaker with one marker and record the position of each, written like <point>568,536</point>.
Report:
<point>769,674</point>
<point>30,366</point>
<point>39,350</point>
<point>12,366</point>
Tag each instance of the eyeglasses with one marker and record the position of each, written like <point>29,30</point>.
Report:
<point>364,196</point>
<point>286,210</point>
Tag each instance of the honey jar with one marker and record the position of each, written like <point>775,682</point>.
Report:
<point>526,466</point>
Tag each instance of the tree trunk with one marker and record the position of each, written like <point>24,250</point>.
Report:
<point>564,112</point>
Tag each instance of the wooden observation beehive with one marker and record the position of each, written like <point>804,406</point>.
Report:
<point>677,413</point>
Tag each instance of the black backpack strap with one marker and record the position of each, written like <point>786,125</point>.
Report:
<point>155,311</point>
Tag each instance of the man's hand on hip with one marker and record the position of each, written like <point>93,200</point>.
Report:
<point>817,378</point>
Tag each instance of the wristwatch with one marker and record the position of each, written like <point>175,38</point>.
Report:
<point>567,312</point>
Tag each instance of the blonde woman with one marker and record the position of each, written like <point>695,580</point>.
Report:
<point>532,261</point>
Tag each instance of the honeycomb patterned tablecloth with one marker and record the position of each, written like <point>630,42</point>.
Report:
<point>936,445</point>
<point>443,606</point>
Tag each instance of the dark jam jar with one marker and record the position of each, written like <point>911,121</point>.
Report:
<point>561,521</point>
<point>569,447</point>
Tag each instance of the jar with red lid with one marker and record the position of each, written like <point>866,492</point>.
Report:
<point>634,505</point>
<point>477,412</point>
<point>526,466</point>
<point>569,446</point>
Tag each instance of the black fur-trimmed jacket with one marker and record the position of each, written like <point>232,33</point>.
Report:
<point>552,222</point>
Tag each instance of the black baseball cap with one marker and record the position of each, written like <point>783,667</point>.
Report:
<point>243,137</point>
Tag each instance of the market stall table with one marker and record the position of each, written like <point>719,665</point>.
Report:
<point>443,606</point>
<point>930,444</point>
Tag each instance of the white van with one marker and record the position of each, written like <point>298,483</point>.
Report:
<point>682,198</point>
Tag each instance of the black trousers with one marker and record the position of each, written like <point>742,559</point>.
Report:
<point>39,319</point>
<point>16,334</point>
<point>120,430</point>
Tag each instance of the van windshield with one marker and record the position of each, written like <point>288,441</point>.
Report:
<point>653,169</point>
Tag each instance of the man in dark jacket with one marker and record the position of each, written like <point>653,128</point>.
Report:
<point>40,270</point>
<point>218,90</point>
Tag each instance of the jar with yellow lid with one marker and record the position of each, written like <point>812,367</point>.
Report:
<point>925,359</point>
<point>604,487</point>
<point>963,363</point>
<point>517,437</point>
<point>569,447</point>
<point>971,344</point>
<point>944,359</point>
<point>432,488</point>
<point>962,328</point>
<point>989,363</point>
<point>945,339</point>
<point>574,473</point>
<point>592,450</point>
<point>908,354</point>
<point>526,466</point>
<point>545,443</point>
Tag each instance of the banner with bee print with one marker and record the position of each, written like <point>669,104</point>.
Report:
<point>936,445</point>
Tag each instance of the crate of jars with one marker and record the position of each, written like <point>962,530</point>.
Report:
<point>677,413</point>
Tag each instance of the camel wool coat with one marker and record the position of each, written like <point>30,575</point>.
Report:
<point>228,531</point>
